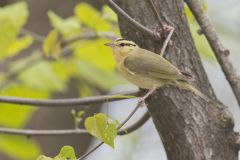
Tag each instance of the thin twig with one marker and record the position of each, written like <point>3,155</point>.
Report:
<point>121,13</point>
<point>119,127</point>
<point>91,151</point>
<point>64,132</point>
<point>156,13</point>
<point>31,132</point>
<point>90,35</point>
<point>135,126</point>
<point>36,36</point>
<point>165,44</point>
<point>163,26</point>
<point>65,102</point>
<point>219,50</point>
<point>129,116</point>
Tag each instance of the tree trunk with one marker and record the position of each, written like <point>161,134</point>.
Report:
<point>190,128</point>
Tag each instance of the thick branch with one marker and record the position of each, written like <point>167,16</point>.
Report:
<point>65,102</point>
<point>189,127</point>
<point>220,52</point>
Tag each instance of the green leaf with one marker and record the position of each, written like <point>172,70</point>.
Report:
<point>12,19</point>
<point>21,63</point>
<point>19,44</point>
<point>47,81</point>
<point>66,153</point>
<point>201,43</point>
<point>189,14</point>
<point>96,53</point>
<point>51,45</point>
<point>99,127</point>
<point>19,114</point>
<point>97,76</point>
<point>90,17</point>
<point>42,157</point>
<point>64,68</point>
<point>67,27</point>
<point>108,14</point>
<point>19,147</point>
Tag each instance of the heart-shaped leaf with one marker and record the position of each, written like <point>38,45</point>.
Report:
<point>99,127</point>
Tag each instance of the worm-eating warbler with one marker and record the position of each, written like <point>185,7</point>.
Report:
<point>148,70</point>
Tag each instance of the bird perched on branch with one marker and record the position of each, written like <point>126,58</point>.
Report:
<point>148,70</point>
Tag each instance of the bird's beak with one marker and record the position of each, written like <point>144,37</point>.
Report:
<point>109,44</point>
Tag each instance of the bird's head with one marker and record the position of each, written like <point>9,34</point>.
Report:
<point>122,46</point>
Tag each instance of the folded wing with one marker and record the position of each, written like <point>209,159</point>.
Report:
<point>146,63</point>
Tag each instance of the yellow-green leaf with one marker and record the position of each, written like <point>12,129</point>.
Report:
<point>201,43</point>
<point>19,44</point>
<point>47,81</point>
<point>42,157</point>
<point>96,53</point>
<point>66,153</point>
<point>97,76</point>
<point>19,147</point>
<point>90,17</point>
<point>108,14</point>
<point>67,27</point>
<point>99,127</point>
<point>51,45</point>
<point>12,19</point>
<point>19,114</point>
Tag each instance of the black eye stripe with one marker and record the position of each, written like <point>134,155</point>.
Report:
<point>126,44</point>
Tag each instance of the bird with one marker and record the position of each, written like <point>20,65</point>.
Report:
<point>148,70</point>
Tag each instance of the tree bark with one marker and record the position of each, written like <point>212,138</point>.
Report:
<point>190,128</point>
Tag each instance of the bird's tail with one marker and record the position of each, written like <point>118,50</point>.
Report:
<point>185,85</point>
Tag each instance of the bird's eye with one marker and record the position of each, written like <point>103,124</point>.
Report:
<point>122,44</point>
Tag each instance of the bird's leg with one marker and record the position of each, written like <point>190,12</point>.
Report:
<point>170,31</point>
<point>141,101</point>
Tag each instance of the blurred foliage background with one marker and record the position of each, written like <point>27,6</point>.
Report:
<point>73,62</point>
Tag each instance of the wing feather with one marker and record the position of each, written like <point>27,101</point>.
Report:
<point>146,63</point>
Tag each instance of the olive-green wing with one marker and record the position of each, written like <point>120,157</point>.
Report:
<point>146,63</point>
